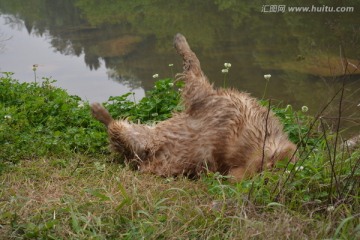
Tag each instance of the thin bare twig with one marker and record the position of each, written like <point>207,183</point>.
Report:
<point>263,149</point>
<point>329,153</point>
<point>306,139</point>
<point>265,136</point>
<point>333,174</point>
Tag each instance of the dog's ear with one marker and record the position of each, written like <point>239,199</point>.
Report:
<point>101,114</point>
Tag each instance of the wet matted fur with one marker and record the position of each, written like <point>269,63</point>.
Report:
<point>220,130</point>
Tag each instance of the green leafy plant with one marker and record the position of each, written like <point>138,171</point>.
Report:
<point>157,105</point>
<point>39,119</point>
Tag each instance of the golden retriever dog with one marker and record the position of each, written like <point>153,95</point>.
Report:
<point>220,130</point>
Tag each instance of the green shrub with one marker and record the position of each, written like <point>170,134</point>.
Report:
<point>157,105</point>
<point>39,119</point>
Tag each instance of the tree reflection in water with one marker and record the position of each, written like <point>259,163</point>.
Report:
<point>133,39</point>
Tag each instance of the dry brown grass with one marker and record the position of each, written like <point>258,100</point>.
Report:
<point>106,200</point>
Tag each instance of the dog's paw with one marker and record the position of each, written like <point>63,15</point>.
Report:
<point>180,43</point>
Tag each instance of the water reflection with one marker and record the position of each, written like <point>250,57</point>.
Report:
<point>129,41</point>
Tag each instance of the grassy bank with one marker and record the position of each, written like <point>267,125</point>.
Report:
<point>59,181</point>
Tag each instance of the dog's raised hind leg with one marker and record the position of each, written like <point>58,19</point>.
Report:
<point>197,86</point>
<point>190,62</point>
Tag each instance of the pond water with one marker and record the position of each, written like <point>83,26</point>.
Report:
<point>99,50</point>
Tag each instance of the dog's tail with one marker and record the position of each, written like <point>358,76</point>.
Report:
<point>101,114</point>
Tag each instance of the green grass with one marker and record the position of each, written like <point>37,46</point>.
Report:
<point>59,181</point>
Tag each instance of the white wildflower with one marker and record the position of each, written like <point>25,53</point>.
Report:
<point>330,208</point>
<point>155,75</point>
<point>304,109</point>
<point>299,168</point>
<point>227,65</point>
<point>170,64</point>
<point>288,107</point>
<point>267,76</point>
<point>99,166</point>
<point>225,70</point>
<point>171,84</point>
<point>81,105</point>
<point>287,172</point>
<point>7,116</point>
<point>358,105</point>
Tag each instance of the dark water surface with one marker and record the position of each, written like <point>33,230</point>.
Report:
<point>96,49</point>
